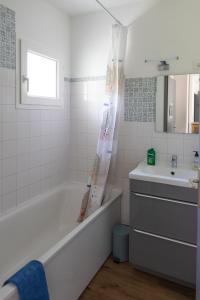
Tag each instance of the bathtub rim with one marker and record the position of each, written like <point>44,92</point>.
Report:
<point>9,290</point>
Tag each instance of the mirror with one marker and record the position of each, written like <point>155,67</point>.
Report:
<point>177,103</point>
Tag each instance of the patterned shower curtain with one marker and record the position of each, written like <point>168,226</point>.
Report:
<point>99,187</point>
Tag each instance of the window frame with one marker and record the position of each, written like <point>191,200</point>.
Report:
<point>30,102</point>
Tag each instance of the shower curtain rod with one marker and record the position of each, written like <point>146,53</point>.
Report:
<point>108,12</point>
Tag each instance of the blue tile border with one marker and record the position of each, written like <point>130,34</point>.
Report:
<point>139,97</point>
<point>81,79</point>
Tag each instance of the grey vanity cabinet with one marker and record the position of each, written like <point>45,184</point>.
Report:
<point>163,222</point>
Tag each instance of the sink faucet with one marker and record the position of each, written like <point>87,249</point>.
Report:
<point>174,161</point>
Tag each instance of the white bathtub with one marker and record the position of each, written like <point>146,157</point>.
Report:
<point>46,229</point>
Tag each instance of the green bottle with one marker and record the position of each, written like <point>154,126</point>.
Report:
<point>151,157</point>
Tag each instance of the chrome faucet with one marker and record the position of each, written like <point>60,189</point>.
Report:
<point>174,161</point>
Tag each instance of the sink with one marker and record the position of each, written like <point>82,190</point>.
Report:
<point>164,174</point>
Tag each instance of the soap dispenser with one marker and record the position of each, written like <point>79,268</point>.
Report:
<point>151,157</point>
<point>196,160</point>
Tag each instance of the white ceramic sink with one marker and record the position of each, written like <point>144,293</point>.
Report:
<point>164,174</point>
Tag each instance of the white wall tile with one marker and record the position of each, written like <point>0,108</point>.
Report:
<point>23,162</point>
<point>23,115</point>
<point>1,131</point>
<point>9,113</point>
<point>160,144</point>
<point>23,130</point>
<point>7,94</point>
<point>9,184</point>
<point>23,146</point>
<point>191,143</point>
<point>35,129</point>
<point>23,179</point>
<point>9,166</point>
<point>35,115</point>
<point>35,159</point>
<point>35,144</point>
<point>1,188</point>
<point>175,144</point>
<point>23,194</point>
<point>9,148</point>
<point>9,131</point>
<point>35,189</point>
<point>134,140</point>
<point>39,149</point>
<point>9,201</point>
<point>23,133</point>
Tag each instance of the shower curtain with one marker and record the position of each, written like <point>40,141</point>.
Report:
<point>99,182</point>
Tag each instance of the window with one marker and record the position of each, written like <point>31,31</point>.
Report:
<point>42,74</point>
<point>40,77</point>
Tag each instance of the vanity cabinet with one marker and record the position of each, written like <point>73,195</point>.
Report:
<point>163,221</point>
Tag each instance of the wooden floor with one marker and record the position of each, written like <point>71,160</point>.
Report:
<point>123,282</point>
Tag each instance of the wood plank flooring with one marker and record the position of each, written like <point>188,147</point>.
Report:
<point>123,282</point>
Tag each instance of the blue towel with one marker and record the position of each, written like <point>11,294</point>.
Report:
<point>31,282</point>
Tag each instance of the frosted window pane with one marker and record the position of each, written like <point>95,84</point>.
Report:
<point>42,74</point>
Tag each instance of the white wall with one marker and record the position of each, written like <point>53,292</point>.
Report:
<point>167,30</point>
<point>90,42</point>
<point>163,31</point>
<point>41,22</point>
<point>34,144</point>
<point>91,36</point>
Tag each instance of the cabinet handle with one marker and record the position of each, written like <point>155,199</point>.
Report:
<point>166,200</point>
<point>164,238</point>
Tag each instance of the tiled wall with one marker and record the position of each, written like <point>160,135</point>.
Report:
<point>85,114</point>
<point>140,99</point>
<point>7,38</point>
<point>42,148</point>
<point>33,146</point>
<point>134,138</point>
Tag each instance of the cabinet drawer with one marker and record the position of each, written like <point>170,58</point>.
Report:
<point>164,190</point>
<point>169,218</point>
<point>163,256</point>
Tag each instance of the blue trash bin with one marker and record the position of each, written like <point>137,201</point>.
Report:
<point>120,243</point>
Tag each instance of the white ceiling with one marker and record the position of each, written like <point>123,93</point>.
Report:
<point>78,7</point>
